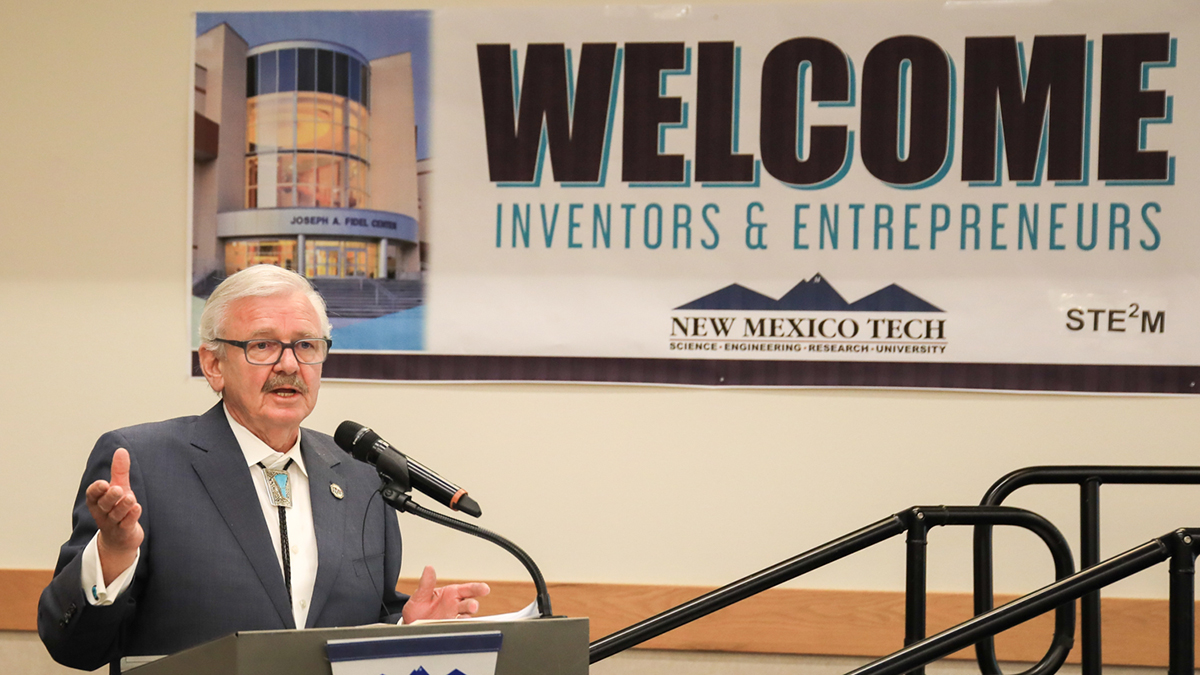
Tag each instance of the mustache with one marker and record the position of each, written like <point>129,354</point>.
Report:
<point>282,380</point>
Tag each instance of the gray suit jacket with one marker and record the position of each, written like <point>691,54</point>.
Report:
<point>208,566</point>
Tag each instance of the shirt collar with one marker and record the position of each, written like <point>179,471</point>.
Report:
<point>255,450</point>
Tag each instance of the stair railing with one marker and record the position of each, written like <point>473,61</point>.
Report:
<point>1089,479</point>
<point>915,521</point>
<point>1179,547</point>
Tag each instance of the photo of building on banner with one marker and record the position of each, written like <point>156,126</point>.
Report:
<point>310,155</point>
<point>977,196</point>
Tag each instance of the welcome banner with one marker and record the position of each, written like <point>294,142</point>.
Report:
<point>904,193</point>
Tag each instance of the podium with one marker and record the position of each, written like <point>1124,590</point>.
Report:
<point>530,647</point>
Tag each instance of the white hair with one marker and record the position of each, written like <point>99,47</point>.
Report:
<point>258,281</point>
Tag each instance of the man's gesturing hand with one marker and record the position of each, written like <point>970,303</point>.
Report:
<point>449,602</point>
<point>115,509</point>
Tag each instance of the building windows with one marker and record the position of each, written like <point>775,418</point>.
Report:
<point>307,164</point>
<point>307,129</point>
<point>343,258</point>
<point>243,253</point>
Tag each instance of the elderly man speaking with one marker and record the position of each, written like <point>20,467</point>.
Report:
<point>193,528</point>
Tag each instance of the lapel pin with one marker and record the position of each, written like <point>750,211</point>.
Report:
<point>336,490</point>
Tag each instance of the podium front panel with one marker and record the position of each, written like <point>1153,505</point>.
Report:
<point>531,647</point>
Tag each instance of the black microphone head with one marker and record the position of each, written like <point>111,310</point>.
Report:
<point>468,506</point>
<point>357,440</point>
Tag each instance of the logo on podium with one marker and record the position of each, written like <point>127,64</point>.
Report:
<point>450,654</point>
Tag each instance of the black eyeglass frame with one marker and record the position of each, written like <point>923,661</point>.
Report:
<point>284,346</point>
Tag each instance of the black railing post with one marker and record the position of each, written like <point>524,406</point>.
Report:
<point>914,583</point>
<point>1089,555</point>
<point>1183,605</point>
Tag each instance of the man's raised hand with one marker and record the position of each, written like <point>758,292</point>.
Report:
<point>115,509</point>
<point>449,602</point>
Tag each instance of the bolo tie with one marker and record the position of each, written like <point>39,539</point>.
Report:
<point>279,490</point>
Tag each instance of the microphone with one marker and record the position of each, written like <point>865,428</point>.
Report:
<point>366,446</point>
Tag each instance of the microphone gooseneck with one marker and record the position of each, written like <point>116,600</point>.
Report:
<point>400,474</point>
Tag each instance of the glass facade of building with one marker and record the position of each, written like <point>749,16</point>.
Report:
<point>307,128</point>
<point>308,144</point>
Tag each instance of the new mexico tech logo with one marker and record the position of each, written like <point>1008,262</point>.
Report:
<point>810,318</point>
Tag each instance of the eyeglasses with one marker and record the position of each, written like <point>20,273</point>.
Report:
<point>309,351</point>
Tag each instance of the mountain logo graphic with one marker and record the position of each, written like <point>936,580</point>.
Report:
<point>421,671</point>
<point>815,294</point>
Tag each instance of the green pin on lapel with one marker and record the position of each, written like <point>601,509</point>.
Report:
<point>336,490</point>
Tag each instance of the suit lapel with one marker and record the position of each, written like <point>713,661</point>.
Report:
<point>222,469</point>
<point>329,518</point>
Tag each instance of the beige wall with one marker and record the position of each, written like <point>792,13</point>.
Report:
<point>599,483</point>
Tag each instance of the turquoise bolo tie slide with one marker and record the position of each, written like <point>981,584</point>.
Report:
<point>278,487</point>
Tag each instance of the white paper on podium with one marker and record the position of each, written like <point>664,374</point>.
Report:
<point>530,611</point>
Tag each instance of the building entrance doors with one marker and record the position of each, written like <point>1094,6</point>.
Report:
<point>355,262</point>
<point>327,261</point>
<point>341,259</point>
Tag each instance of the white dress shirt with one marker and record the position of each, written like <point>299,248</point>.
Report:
<point>302,538</point>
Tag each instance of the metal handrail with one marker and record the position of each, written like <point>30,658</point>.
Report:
<point>1089,479</point>
<point>916,521</point>
<point>1179,546</point>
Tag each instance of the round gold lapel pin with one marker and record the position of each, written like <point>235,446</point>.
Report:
<point>336,490</point>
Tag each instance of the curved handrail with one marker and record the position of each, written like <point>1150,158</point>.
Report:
<point>917,518</point>
<point>989,516</point>
<point>1089,478</point>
